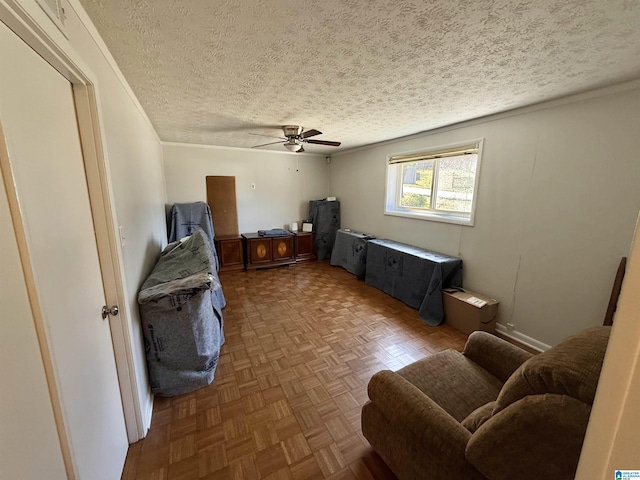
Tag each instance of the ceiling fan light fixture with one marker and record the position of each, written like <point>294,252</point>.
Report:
<point>293,145</point>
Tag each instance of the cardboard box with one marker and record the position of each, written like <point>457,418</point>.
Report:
<point>469,311</point>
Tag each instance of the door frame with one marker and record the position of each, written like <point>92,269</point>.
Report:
<point>27,20</point>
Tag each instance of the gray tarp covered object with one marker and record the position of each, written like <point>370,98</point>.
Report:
<point>182,321</point>
<point>414,275</point>
<point>185,218</point>
<point>350,251</point>
<point>325,217</point>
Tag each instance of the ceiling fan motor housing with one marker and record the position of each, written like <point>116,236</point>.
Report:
<point>292,131</point>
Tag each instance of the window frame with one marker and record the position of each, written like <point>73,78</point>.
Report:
<point>393,186</point>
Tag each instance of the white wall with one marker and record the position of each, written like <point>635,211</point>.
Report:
<point>134,156</point>
<point>557,203</point>
<point>285,182</point>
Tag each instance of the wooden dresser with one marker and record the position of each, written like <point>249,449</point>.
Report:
<point>266,252</point>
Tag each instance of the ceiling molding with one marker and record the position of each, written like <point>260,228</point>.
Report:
<point>86,22</point>
<point>578,97</point>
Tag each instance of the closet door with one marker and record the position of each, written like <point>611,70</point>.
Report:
<point>41,132</point>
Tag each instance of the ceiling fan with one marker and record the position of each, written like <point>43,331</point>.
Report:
<point>295,136</point>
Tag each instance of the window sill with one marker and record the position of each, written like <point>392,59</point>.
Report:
<point>433,217</point>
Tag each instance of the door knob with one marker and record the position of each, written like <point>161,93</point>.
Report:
<point>106,311</point>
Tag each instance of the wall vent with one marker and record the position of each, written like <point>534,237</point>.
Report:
<point>56,12</point>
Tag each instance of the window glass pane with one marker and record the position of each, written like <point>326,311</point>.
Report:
<point>456,177</point>
<point>417,182</point>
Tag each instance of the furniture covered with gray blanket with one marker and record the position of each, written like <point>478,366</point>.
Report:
<point>325,217</point>
<point>185,218</point>
<point>413,275</point>
<point>492,412</point>
<point>350,251</point>
<point>182,321</point>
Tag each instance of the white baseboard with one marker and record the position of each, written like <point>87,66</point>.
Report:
<point>522,338</point>
<point>148,413</point>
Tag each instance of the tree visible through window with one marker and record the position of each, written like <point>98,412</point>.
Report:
<point>439,183</point>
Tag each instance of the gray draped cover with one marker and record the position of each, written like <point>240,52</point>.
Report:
<point>325,217</point>
<point>182,322</point>
<point>185,218</point>
<point>350,251</point>
<point>414,275</point>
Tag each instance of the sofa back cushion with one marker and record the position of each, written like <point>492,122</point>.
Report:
<point>570,368</point>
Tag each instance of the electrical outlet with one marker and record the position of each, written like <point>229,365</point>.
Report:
<point>510,326</point>
<point>253,186</point>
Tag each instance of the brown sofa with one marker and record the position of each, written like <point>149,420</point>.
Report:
<point>492,412</point>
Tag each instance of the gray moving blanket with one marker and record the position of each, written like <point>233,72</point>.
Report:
<point>182,322</point>
<point>274,232</point>
<point>350,251</point>
<point>185,218</point>
<point>414,275</point>
<point>325,217</point>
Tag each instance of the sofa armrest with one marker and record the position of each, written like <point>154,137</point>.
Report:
<point>497,356</point>
<point>405,405</point>
<point>539,436</point>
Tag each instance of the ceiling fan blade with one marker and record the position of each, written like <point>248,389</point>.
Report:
<point>323,142</point>
<point>268,136</point>
<point>310,133</point>
<point>265,144</point>
<point>301,149</point>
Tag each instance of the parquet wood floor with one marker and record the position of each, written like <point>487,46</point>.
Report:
<point>302,343</point>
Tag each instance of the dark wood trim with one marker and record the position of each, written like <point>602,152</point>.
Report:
<point>615,292</point>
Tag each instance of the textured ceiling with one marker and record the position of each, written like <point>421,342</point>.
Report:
<point>361,71</point>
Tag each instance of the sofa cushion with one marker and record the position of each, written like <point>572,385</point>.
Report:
<point>537,437</point>
<point>478,417</point>
<point>570,368</point>
<point>454,382</point>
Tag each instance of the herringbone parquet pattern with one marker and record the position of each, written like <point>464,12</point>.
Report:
<point>301,344</point>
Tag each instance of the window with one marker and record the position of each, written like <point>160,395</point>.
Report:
<point>438,184</point>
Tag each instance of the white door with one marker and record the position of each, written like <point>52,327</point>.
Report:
<point>39,121</point>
